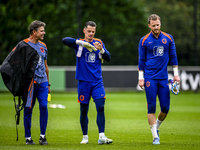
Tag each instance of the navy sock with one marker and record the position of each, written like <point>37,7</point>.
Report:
<point>84,118</point>
<point>100,114</point>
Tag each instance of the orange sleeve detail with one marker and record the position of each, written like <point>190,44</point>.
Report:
<point>98,40</point>
<point>26,40</point>
<point>43,43</point>
<point>145,38</point>
<point>13,48</point>
<point>167,36</point>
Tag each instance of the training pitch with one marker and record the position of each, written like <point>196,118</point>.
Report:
<point>126,123</point>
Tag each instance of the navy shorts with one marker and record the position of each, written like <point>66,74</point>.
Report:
<point>88,89</point>
<point>160,88</point>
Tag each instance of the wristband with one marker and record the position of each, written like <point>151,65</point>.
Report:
<point>140,75</point>
<point>49,84</point>
<point>102,51</point>
<point>175,69</point>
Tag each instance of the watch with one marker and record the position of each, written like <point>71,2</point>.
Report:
<point>49,84</point>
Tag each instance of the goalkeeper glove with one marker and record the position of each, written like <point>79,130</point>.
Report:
<point>86,45</point>
<point>174,88</point>
<point>49,97</point>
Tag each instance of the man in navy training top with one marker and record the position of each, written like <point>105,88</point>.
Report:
<point>41,85</point>
<point>90,52</point>
<point>155,50</point>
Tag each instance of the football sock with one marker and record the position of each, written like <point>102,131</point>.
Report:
<point>42,135</point>
<point>158,123</point>
<point>101,134</point>
<point>84,118</point>
<point>85,136</point>
<point>100,114</point>
<point>29,138</point>
<point>154,131</point>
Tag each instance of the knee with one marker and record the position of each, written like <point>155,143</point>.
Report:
<point>100,108</point>
<point>100,105</point>
<point>165,109</point>
<point>43,105</point>
<point>151,108</point>
<point>84,109</point>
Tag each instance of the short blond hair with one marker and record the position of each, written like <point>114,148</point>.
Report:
<point>153,17</point>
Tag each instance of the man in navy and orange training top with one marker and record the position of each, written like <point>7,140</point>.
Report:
<point>41,86</point>
<point>155,50</point>
<point>90,52</point>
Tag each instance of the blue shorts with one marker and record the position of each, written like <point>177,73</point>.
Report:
<point>88,89</point>
<point>160,88</point>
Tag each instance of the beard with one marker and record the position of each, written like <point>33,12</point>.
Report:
<point>156,32</point>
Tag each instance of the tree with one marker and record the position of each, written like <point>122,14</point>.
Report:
<point>120,24</point>
<point>177,19</point>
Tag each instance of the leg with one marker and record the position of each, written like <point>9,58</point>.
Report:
<point>152,118</point>
<point>151,94</point>
<point>84,118</point>
<point>98,95</point>
<point>164,98</point>
<point>28,116</point>
<point>100,114</point>
<point>162,116</point>
<point>84,95</point>
<point>42,99</point>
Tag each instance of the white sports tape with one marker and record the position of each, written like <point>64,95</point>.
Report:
<point>79,53</point>
<point>140,75</point>
<point>102,51</point>
<point>175,69</point>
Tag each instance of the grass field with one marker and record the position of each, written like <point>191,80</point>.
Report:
<point>126,124</point>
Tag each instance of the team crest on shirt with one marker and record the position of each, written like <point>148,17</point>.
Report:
<point>90,57</point>
<point>164,41</point>
<point>42,49</point>
<point>158,50</point>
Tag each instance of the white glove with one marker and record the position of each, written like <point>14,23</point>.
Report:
<point>86,45</point>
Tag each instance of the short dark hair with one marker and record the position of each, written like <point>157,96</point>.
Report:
<point>35,25</point>
<point>90,23</point>
<point>153,17</point>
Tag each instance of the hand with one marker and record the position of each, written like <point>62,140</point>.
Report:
<point>141,83</point>
<point>176,79</point>
<point>86,45</point>
<point>98,45</point>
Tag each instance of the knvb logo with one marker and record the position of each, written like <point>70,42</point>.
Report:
<point>90,57</point>
<point>158,50</point>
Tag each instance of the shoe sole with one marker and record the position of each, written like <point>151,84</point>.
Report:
<point>84,143</point>
<point>43,143</point>
<point>108,142</point>
<point>156,143</point>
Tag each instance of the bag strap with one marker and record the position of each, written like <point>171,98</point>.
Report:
<point>18,109</point>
